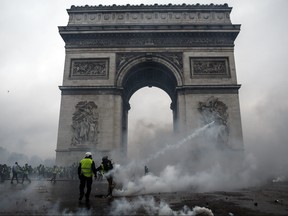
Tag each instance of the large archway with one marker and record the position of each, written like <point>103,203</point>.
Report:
<point>150,122</point>
<point>141,73</point>
<point>112,51</point>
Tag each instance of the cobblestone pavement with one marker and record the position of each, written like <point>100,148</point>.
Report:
<point>61,198</point>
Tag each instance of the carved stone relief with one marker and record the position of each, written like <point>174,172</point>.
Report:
<point>174,58</point>
<point>149,40</point>
<point>150,17</point>
<point>89,68</point>
<point>85,124</point>
<point>209,67</point>
<point>215,110</point>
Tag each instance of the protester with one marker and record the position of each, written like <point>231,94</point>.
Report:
<point>54,173</point>
<point>106,167</point>
<point>15,171</point>
<point>86,169</point>
<point>25,171</point>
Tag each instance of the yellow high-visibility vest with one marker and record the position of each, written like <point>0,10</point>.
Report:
<point>86,167</point>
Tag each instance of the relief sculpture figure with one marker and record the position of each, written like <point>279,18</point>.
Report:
<point>215,110</point>
<point>85,124</point>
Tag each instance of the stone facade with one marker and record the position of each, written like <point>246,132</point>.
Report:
<point>112,51</point>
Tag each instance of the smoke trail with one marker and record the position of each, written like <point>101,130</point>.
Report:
<point>135,165</point>
<point>210,169</point>
<point>178,144</point>
<point>148,206</point>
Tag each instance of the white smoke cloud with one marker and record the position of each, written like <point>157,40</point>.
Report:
<point>193,168</point>
<point>56,210</point>
<point>148,206</point>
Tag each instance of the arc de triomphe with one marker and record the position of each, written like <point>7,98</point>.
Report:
<point>113,51</point>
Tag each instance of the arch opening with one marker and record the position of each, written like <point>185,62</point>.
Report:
<point>147,74</point>
<point>150,119</point>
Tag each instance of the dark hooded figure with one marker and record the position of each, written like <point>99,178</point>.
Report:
<point>106,167</point>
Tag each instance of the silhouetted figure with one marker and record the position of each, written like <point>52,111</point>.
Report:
<point>106,168</point>
<point>2,173</point>
<point>54,173</point>
<point>146,170</point>
<point>15,171</point>
<point>25,171</point>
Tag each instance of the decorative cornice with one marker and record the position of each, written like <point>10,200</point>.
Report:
<point>87,29</point>
<point>149,14</point>
<point>230,86</point>
<point>90,90</point>
<point>149,26</point>
<point>154,6</point>
<point>211,89</point>
<point>167,39</point>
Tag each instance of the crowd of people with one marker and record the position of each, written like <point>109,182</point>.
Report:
<point>84,171</point>
<point>40,172</point>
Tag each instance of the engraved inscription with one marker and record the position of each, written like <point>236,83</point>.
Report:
<point>89,68</point>
<point>209,67</point>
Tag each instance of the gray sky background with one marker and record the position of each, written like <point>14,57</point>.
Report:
<point>32,62</point>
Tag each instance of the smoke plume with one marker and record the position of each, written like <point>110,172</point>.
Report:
<point>148,206</point>
<point>190,164</point>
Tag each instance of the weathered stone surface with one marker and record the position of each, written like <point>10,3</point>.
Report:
<point>112,51</point>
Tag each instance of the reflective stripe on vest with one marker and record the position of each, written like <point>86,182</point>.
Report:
<point>86,167</point>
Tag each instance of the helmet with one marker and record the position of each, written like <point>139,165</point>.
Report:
<point>88,154</point>
<point>105,158</point>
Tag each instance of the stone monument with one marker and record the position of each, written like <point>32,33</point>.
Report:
<point>112,51</point>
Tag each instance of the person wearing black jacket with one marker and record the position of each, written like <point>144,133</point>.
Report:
<point>106,167</point>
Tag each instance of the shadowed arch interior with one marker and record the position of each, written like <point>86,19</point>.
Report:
<point>149,74</point>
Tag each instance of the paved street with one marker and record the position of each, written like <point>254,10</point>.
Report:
<point>61,198</point>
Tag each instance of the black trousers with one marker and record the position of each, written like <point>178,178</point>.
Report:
<point>14,175</point>
<point>85,181</point>
<point>25,176</point>
<point>110,185</point>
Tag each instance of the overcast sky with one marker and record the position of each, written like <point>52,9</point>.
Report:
<point>32,61</point>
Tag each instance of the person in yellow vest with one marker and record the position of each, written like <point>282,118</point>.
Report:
<point>106,167</point>
<point>25,171</point>
<point>86,169</point>
<point>54,173</point>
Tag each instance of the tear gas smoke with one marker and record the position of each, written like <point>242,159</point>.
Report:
<point>185,166</point>
<point>35,199</point>
<point>179,144</point>
<point>19,203</point>
<point>148,206</point>
<point>56,210</point>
